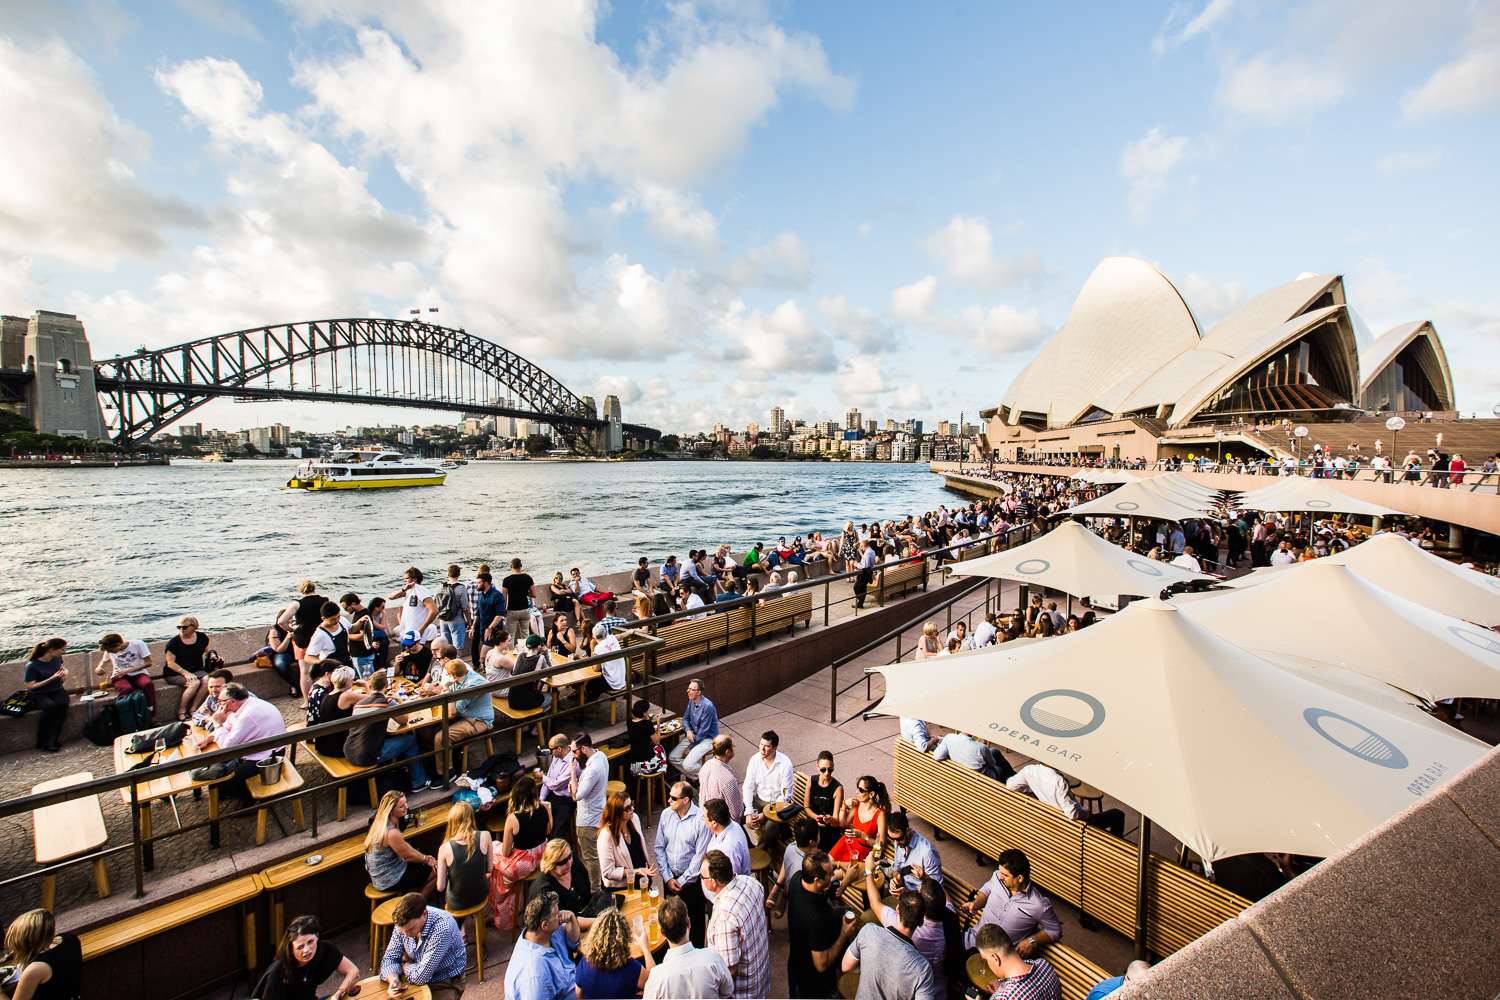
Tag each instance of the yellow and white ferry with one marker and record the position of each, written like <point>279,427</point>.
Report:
<point>366,470</point>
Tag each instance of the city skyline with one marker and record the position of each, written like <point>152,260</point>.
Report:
<point>711,213</point>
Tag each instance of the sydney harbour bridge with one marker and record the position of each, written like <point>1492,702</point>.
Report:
<point>385,362</point>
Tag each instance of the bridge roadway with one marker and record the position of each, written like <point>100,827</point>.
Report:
<point>1464,507</point>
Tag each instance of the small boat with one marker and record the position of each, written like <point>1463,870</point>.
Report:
<point>217,456</point>
<point>367,470</point>
<point>456,459</point>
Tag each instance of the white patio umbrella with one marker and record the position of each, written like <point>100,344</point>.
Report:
<point>1394,564</point>
<point>1136,500</point>
<point>1074,560</point>
<point>1308,496</point>
<point>1177,490</point>
<point>1229,752</point>
<point>1185,484</point>
<point>1115,477</point>
<point>1323,613</point>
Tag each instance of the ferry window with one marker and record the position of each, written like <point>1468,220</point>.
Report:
<point>390,458</point>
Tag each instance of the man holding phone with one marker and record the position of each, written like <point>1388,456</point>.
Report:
<point>913,854</point>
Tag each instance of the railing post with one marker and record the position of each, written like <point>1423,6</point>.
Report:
<point>826,587</point>
<point>446,765</point>
<point>136,852</point>
<point>833,698</point>
<point>752,623</point>
<point>881,603</point>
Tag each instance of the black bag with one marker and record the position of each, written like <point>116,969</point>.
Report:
<point>104,727</point>
<point>17,704</point>
<point>447,607</point>
<point>145,741</point>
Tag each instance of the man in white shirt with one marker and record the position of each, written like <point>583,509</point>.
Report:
<point>768,779</point>
<point>418,609</point>
<point>961,633</point>
<point>1188,561</point>
<point>689,600</point>
<point>613,671</point>
<point>589,788</point>
<point>685,971</point>
<point>1283,555</point>
<point>1049,787</point>
<point>986,631</point>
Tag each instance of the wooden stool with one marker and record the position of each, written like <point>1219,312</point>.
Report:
<point>517,907</point>
<point>614,697</point>
<point>381,917</point>
<point>614,786</point>
<point>760,866</point>
<point>647,781</point>
<point>477,912</point>
<point>1089,796</point>
<point>849,985</point>
<point>290,781</point>
<point>489,749</point>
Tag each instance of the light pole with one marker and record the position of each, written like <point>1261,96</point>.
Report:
<point>1219,437</point>
<point>1394,425</point>
<point>1300,433</point>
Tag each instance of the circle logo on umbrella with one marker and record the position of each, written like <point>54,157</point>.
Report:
<point>1127,505</point>
<point>1473,637</point>
<point>1142,566</point>
<point>1355,738</point>
<point>1063,713</point>
<point>1320,504</point>
<point>1031,567</point>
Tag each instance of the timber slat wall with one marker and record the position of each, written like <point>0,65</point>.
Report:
<point>1070,859</point>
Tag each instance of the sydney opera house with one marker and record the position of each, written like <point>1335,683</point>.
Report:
<point>1131,373</point>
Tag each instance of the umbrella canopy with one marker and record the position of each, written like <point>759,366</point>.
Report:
<point>1394,564</point>
<point>1311,496</point>
<point>1184,484</point>
<point>1230,753</point>
<point>1074,560</point>
<point>1183,493</point>
<point>1114,477</point>
<point>1323,613</point>
<point>1136,500</point>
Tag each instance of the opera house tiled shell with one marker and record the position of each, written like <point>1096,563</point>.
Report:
<point>1131,347</point>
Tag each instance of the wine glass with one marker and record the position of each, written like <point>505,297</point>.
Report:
<point>161,748</point>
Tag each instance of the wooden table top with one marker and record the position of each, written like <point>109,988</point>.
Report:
<point>159,788</point>
<point>374,988</point>
<point>979,972</point>
<point>578,675</point>
<point>337,853</point>
<point>637,905</point>
<point>68,828</point>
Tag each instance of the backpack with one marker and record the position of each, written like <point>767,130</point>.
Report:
<point>102,729</point>
<point>173,733</point>
<point>447,607</point>
<point>132,713</point>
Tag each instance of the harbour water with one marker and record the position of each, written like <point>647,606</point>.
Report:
<point>84,552</point>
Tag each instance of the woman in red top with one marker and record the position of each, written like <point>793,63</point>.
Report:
<point>864,818</point>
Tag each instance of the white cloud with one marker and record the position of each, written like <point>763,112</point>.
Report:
<point>911,399</point>
<point>1470,81</point>
<point>858,325</point>
<point>67,188</point>
<point>1278,89</point>
<point>966,246</point>
<point>1002,330</point>
<point>1397,163</point>
<point>785,262</point>
<point>1148,164</point>
<point>627,389</point>
<point>860,380</point>
<point>864,229</point>
<point>18,289</point>
<point>1210,300</point>
<point>783,341</point>
<point>1211,14</point>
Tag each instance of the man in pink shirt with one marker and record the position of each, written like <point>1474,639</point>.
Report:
<point>248,719</point>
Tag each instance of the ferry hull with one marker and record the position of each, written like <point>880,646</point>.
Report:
<point>368,484</point>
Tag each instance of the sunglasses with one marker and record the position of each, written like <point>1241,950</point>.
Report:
<point>566,860</point>
<point>183,627</point>
<point>825,770</point>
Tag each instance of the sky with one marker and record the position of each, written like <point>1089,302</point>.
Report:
<point>710,209</point>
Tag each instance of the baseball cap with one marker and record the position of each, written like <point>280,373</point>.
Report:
<point>410,637</point>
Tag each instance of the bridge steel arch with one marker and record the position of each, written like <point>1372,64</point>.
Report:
<point>152,389</point>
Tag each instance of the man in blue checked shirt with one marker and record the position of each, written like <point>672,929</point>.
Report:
<point>426,949</point>
<point>700,724</point>
<point>681,841</point>
<point>540,968</point>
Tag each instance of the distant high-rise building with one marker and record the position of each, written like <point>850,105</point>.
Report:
<point>890,426</point>
<point>615,438</point>
<point>870,426</point>
<point>190,430</point>
<point>945,428</point>
<point>851,420</point>
<point>259,438</point>
<point>281,435</point>
<point>753,431</point>
<point>778,421</point>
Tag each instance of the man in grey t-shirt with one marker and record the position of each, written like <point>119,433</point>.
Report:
<point>890,967</point>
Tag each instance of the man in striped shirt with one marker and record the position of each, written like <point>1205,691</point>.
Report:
<point>737,929</point>
<point>1016,978</point>
<point>716,779</point>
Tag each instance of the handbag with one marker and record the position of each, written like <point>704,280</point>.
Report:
<point>144,741</point>
<point>18,704</point>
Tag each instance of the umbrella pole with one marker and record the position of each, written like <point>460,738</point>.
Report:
<point>1142,856</point>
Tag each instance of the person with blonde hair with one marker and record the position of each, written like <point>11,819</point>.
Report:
<point>528,824</point>
<point>393,864</point>
<point>606,969</point>
<point>186,665</point>
<point>464,860</point>
<point>558,876</point>
<point>929,645</point>
<point>49,964</point>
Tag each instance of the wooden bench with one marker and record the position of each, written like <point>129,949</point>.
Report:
<point>502,706</point>
<point>336,767</point>
<point>178,913</point>
<point>67,830</point>
<point>892,582</point>
<point>352,848</point>
<point>290,781</point>
<point>1076,973</point>
<point>1073,861</point>
<point>717,632</point>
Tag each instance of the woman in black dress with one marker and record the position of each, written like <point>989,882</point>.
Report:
<point>303,961</point>
<point>51,964</point>
<point>824,802</point>
<point>563,872</point>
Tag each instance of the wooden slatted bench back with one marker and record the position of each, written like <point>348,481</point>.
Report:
<point>1069,859</point>
<point>167,917</point>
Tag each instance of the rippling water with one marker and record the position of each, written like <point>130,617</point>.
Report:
<point>88,551</point>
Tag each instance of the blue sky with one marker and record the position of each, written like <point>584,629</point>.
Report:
<point>713,209</point>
